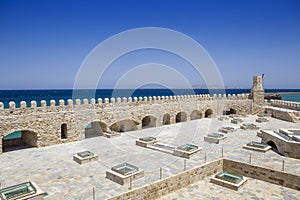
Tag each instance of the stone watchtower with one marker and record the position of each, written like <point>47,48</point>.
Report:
<point>257,91</point>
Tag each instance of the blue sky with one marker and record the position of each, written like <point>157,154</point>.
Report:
<point>43,43</point>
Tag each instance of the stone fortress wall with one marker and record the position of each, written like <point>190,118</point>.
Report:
<point>284,110</point>
<point>72,121</point>
<point>286,104</point>
<point>45,124</point>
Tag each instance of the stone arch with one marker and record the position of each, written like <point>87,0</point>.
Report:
<point>273,145</point>
<point>64,131</point>
<point>95,128</point>
<point>148,122</point>
<point>181,117</point>
<point>231,111</point>
<point>20,139</point>
<point>208,113</point>
<point>124,126</point>
<point>166,119</point>
<point>196,114</point>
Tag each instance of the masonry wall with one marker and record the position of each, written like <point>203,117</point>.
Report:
<point>163,187</point>
<point>280,114</point>
<point>45,121</point>
<point>173,183</point>
<point>264,174</point>
<point>287,148</point>
<point>286,104</point>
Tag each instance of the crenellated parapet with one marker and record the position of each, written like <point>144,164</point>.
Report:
<point>54,122</point>
<point>124,100</point>
<point>286,104</point>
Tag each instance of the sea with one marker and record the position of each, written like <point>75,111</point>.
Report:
<point>28,95</point>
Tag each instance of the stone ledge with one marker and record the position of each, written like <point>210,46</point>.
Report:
<point>227,184</point>
<point>214,140</point>
<point>123,179</point>
<point>264,150</point>
<point>81,160</point>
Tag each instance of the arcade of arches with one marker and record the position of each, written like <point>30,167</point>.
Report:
<point>28,138</point>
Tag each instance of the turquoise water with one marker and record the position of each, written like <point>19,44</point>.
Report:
<point>14,135</point>
<point>290,97</point>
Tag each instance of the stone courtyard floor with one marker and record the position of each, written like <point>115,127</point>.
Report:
<point>54,170</point>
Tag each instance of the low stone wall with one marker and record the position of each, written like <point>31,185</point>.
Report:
<point>264,174</point>
<point>281,114</point>
<point>163,187</point>
<point>286,104</point>
<point>285,147</point>
<point>173,183</point>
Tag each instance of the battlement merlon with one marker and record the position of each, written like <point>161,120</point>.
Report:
<point>118,100</point>
<point>285,104</point>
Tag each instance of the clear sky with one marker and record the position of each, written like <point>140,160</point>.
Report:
<point>44,42</point>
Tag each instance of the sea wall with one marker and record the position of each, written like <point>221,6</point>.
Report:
<point>100,101</point>
<point>286,104</point>
<point>52,124</point>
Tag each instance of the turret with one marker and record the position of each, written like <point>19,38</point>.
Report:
<point>257,90</point>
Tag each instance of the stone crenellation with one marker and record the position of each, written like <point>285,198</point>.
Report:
<point>286,104</point>
<point>100,101</point>
<point>61,121</point>
<point>52,123</point>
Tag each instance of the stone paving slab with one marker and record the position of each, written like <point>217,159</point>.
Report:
<point>53,169</point>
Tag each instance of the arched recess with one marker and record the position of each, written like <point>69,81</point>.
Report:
<point>181,117</point>
<point>19,140</point>
<point>95,128</point>
<point>196,114</point>
<point>230,111</point>
<point>124,125</point>
<point>273,145</point>
<point>208,113</point>
<point>64,131</point>
<point>166,119</point>
<point>148,122</point>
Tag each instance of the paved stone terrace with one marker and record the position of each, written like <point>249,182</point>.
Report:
<point>53,169</point>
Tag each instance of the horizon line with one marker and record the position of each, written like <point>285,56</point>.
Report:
<point>232,88</point>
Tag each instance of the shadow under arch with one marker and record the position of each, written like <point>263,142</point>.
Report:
<point>273,145</point>
<point>166,119</point>
<point>148,121</point>
<point>18,140</point>
<point>181,117</point>
<point>208,113</point>
<point>124,125</point>
<point>196,114</point>
<point>95,129</point>
<point>230,111</point>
